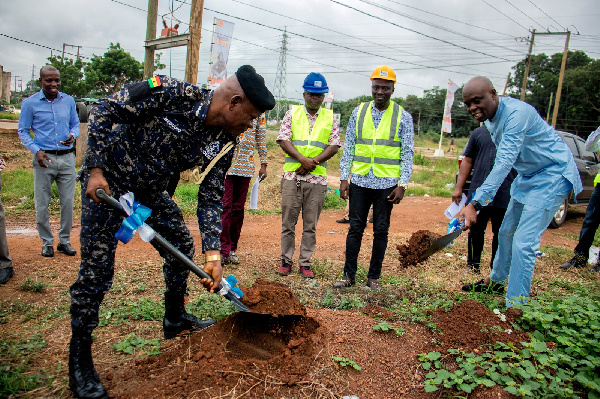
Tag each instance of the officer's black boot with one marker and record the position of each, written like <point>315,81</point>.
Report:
<point>177,319</point>
<point>83,379</point>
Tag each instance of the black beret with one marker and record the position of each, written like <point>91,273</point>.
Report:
<point>254,87</point>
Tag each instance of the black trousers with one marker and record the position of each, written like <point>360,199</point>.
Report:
<point>361,199</point>
<point>477,234</point>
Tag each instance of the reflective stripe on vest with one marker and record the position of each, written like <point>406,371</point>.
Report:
<point>310,144</point>
<point>379,148</point>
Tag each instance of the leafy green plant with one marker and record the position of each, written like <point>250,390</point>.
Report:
<point>420,159</point>
<point>562,359</point>
<point>211,306</point>
<point>344,361</point>
<point>33,285</point>
<point>328,301</point>
<point>385,327</point>
<point>350,302</point>
<point>132,344</point>
<point>122,310</point>
<point>333,201</point>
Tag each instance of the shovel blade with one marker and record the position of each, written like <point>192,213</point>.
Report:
<point>440,243</point>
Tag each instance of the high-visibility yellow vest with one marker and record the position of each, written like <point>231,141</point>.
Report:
<point>597,179</point>
<point>309,144</point>
<point>379,148</point>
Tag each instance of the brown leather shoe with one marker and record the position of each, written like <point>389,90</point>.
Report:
<point>373,284</point>
<point>345,282</point>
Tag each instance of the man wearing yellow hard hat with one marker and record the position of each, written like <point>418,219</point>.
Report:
<point>378,150</point>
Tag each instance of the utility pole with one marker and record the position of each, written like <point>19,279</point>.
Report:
<point>526,74</point>
<point>150,35</point>
<point>419,124</point>
<point>33,73</point>
<point>506,84</point>
<point>193,47</point>
<point>63,52</point>
<point>560,78</point>
<point>280,85</point>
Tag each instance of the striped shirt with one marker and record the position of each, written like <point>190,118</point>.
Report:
<point>243,160</point>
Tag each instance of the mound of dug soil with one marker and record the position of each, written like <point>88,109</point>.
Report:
<point>419,242</point>
<point>271,297</point>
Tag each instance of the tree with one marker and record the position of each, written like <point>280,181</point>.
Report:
<point>110,72</point>
<point>71,76</point>
<point>580,99</point>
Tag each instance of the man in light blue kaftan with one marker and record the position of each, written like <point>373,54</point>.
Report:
<point>546,175</point>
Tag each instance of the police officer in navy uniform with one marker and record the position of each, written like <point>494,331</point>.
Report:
<point>163,127</point>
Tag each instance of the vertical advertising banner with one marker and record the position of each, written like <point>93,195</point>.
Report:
<point>329,100</point>
<point>447,122</point>
<point>219,53</point>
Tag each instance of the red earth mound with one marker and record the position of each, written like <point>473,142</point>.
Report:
<point>419,242</point>
<point>271,297</point>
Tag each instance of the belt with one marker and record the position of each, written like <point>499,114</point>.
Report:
<point>59,152</point>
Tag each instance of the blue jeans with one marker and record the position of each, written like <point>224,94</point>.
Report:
<point>519,239</point>
<point>360,201</point>
<point>590,224</point>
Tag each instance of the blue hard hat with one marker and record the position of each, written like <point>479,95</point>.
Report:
<point>315,83</point>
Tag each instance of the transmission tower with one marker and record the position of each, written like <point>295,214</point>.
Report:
<point>280,86</point>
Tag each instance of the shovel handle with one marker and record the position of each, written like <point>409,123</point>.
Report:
<point>187,262</point>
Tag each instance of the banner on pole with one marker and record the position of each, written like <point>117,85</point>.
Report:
<point>447,122</point>
<point>329,100</point>
<point>219,53</point>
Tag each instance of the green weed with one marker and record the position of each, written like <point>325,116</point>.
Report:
<point>123,310</point>
<point>133,344</point>
<point>385,327</point>
<point>211,306</point>
<point>344,361</point>
<point>333,201</point>
<point>33,285</point>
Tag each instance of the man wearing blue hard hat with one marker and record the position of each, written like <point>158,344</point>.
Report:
<point>309,136</point>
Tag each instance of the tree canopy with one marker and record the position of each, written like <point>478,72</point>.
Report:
<point>579,109</point>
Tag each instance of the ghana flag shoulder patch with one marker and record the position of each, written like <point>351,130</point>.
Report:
<point>154,82</point>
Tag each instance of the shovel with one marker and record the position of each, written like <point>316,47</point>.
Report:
<point>187,262</point>
<point>443,241</point>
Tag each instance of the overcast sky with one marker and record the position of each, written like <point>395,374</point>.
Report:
<point>426,42</point>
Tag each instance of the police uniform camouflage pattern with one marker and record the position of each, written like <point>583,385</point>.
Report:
<point>159,132</point>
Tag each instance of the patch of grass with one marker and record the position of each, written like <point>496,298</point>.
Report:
<point>33,285</point>
<point>122,310</point>
<point>557,254</point>
<point>333,201</point>
<point>211,306</point>
<point>20,378</point>
<point>9,115</point>
<point>350,302</point>
<point>186,197</point>
<point>322,267</point>
<point>134,345</point>
<point>263,211</point>
<point>18,308</point>
<point>420,159</point>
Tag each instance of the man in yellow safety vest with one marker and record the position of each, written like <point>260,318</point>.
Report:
<point>309,136</point>
<point>378,150</point>
<point>591,220</point>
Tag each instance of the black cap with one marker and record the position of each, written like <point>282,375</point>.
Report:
<point>254,87</point>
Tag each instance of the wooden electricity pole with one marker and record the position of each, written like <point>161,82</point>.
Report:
<point>150,35</point>
<point>506,84</point>
<point>560,78</point>
<point>193,47</point>
<point>526,74</point>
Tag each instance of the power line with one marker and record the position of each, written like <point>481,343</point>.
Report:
<point>445,28</point>
<point>519,10</point>
<point>415,31</point>
<point>547,14</point>
<point>129,5</point>
<point>505,15</point>
<point>37,44</point>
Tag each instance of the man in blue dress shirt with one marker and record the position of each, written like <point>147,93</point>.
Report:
<point>52,117</point>
<point>546,175</point>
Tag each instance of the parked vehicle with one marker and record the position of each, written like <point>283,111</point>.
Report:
<point>588,165</point>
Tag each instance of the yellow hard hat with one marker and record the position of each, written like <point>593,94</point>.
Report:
<point>384,72</point>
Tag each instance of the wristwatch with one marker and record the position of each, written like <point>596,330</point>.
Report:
<point>476,205</point>
<point>404,186</point>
